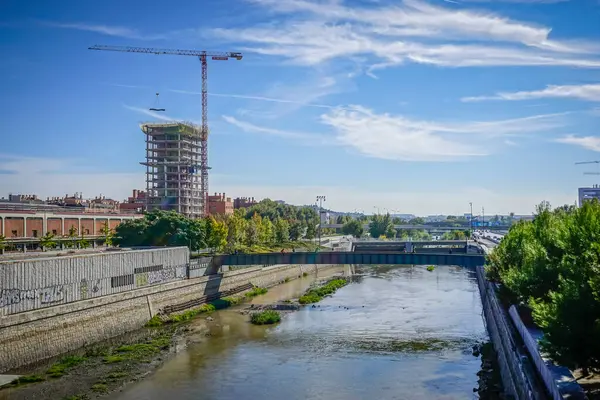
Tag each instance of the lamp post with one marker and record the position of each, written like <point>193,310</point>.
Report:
<point>320,199</point>
<point>471,219</point>
<point>483,216</point>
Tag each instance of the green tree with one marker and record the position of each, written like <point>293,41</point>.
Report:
<point>455,235</point>
<point>281,230</point>
<point>267,232</point>
<point>236,230</point>
<point>252,233</point>
<point>552,264</point>
<point>353,227</point>
<point>108,234</point>
<point>72,235</point>
<point>381,225</point>
<point>296,230</point>
<point>3,244</point>
<point>48,241</point>
<point>216,234</point>
<point>311,229</point>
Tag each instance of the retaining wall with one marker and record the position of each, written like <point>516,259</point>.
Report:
<point>31,336</point>
<point>518,377</point>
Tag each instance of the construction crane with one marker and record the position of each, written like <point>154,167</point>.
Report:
<point>203,57</point>
<point>589,162</point>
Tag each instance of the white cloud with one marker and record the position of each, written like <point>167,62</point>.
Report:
<point>401,138</point>
<point>414,31</point>
<point>587,142</point>
<point>589,92</point>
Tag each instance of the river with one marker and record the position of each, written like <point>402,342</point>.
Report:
<point>396,332</point>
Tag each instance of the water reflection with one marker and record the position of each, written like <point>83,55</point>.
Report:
<point>402,332</point>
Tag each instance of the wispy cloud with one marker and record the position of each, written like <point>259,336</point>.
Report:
<point>126,86</point>
<point>590,92</point>
<point>587,142</point>
<point>415,32</point>
<point>396,137</point>
<point>109,30</point>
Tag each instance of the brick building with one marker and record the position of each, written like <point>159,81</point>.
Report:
<point>135,203</point>
<point>220,204</point>
<point>244,202</point>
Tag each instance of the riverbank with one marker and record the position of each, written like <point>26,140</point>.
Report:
<point>110,366</point>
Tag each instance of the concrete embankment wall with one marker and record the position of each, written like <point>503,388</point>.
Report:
<point>518,377</point>
<point>43,330</point>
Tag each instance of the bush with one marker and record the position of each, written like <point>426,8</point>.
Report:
<point>317,294</point>
<point>256,292</point>
<point>265,317</point>
<point>430,268</point>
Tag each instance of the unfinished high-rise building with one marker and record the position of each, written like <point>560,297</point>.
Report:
<point>176,177</point>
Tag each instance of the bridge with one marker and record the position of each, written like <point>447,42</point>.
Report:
<point>351,257</point>
<point>425,227</point>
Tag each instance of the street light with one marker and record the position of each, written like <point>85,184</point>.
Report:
<point>471,219</point>
<point>320,199</point>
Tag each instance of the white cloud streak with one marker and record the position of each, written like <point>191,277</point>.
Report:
<point>400,138</point>
<point>414,31</point>
<point>587,142</point>
<point>589,92</point>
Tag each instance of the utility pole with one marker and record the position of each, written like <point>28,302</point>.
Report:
<point>320,199</point>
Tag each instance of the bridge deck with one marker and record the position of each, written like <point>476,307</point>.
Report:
<point>347,257</point>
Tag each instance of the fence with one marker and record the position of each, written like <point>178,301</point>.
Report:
<point>574,390</point>
<point>517,383</point>
<point>32,284</point>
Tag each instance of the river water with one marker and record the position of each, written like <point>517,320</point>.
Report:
<point>396,332</point>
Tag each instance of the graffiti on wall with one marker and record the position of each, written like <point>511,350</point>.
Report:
<point>86,287</point>
<point>48,295</point>
<point>164,275</point>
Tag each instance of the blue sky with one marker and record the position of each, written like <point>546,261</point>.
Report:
<point>415,106</point>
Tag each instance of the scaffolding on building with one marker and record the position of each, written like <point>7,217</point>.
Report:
<point>174,167</point>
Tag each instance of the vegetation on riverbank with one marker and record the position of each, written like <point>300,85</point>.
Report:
<point>552,265</point>
<point>266,317</point>
<point>256,292</point>
<point>431,268</point>
<point>316,294</point>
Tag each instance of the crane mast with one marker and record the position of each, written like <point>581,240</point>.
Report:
<point>203,57</point>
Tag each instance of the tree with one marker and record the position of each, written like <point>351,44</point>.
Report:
<point>296,230</point>
<point>552,265</point>
<point>48,241</point>
<point>354,228</point>
<point>216,234</point>
<point>252,236</point>
<point>281,230</point>
<point>267,232</point>
<point>381,225</point>
<point>236,230</point>
<point>108,234</point>
<point>311,229</point>
<point>3,243</point>
<point>454,235</point>
<point>72,236</point>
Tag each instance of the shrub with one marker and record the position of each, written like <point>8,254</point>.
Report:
<point>256,292</point>
<point>317,294</point>
<point>265,317</point>
<point>430,268</point>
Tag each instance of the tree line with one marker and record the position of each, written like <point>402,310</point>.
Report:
<point>551,267</point>
<point>265,224</point>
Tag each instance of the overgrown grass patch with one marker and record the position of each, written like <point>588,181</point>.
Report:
<point>315,295</point>
<point>63,365</point>
<point>25,379</point>
<point>99,388</point>
<point>155,321</point>
<point>257,291</point>
<point>139,351</point>
<point>430,268</point>
<point>266,317</point>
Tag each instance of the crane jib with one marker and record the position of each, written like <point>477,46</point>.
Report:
<point>220,58</point>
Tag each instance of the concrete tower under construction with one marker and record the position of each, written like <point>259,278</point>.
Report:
<point>174,169</point>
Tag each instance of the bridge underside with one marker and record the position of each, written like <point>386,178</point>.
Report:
<point>341,257</point>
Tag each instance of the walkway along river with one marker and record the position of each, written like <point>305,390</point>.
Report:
<point>396,332</point>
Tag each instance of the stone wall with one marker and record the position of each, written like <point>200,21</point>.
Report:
<point>35,335</point>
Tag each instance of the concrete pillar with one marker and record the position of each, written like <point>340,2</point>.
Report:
<point>24,229</point>
<point>79,226</point>
<point>3,232</point>
<point>44,224</point>
<point>94,227</point>
<point>62,226</point>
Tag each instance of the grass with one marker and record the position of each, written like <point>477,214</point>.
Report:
<point>317,294</point>
<point>63,365</point>
<point>77,397</point>
<point>256,292</point>
<point>430,268</point>
<point>99,388</point>
<point>266,317</point>
<point>154,322</point>
<point>305,274</point>
<point>25,379</point>
<point>139,351</point>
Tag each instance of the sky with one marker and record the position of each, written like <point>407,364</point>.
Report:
<point>407,106</point>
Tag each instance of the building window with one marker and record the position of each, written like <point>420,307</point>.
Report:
<point>14,233</point>
<point>34,233</point>
<point>87,231</point>
<point>54,231</point>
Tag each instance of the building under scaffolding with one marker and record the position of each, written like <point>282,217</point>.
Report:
<point>174,169</point>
